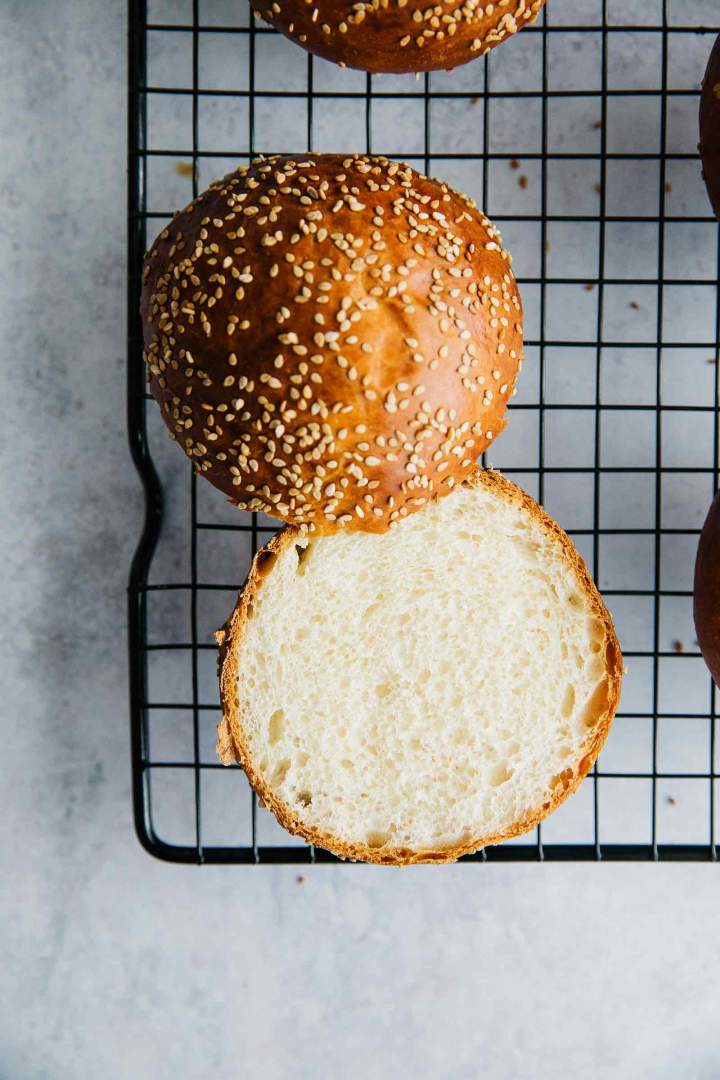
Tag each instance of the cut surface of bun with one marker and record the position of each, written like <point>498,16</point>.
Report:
<point>398,35</point>
<point>332,339</point>
<point>416,696</point>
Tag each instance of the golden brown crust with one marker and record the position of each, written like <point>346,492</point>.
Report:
<point>232,745</point>
<point>332,339</point>
<point>706,590</point>
<point>710,127</point>
<point>398,35</point>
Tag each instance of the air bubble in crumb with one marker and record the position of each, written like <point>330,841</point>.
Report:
<point>275,726</point>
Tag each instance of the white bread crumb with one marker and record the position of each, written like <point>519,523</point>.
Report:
<point>427,690</point>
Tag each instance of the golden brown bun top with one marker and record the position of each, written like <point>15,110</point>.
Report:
<point>398,35</point>
<point>710,127</point>
<point>332,339</point>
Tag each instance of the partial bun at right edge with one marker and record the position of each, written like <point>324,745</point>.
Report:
<point>706,590</point>
<point>710,127</point>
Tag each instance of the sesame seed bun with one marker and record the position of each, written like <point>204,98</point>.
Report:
<point>332,339</point>
<point>706,591</point>
<point>710,127</point>
<point>398,35</point>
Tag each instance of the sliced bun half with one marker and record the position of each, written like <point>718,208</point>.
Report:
<point>416,696</point>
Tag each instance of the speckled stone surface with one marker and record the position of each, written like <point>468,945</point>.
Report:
<point>117,966</point>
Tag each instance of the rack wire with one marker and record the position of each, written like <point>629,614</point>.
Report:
<point>578,138</point>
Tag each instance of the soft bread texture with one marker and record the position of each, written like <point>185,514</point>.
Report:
<point>710,127</point>
<point>332,339</point>
<point>706,590</point>
<point>398,35</point>
<point>415,697</point>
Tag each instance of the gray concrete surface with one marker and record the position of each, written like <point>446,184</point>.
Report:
<point>117,966</point>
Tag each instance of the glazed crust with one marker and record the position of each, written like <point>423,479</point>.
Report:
<point>398,35</point>
<point>332,339</point>
<point>710,127</point>
<point>232,745</point>
<point>706,590</point>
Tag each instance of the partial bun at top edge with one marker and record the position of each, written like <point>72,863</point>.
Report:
<point>332,339</point>
<point>398,35</point>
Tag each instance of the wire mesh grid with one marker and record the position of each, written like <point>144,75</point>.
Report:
<point>578,137</point>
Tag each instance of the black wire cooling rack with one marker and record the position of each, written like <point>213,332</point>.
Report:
<point>579,138</point>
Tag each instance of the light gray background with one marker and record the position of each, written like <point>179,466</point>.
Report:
<point>113,965</point>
